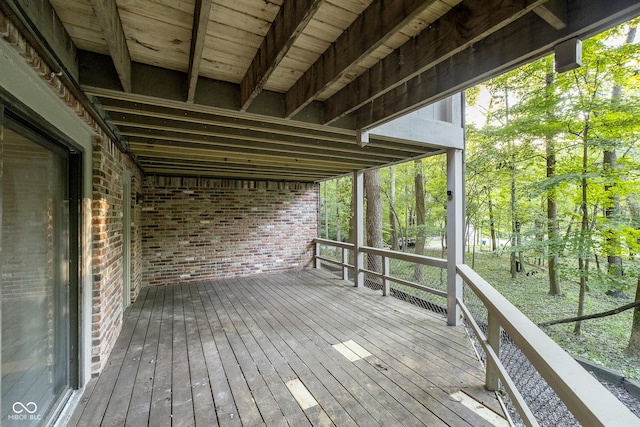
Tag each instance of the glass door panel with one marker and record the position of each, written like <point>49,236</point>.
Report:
<point>34,292</point>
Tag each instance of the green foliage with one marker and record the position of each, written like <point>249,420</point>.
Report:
<point>532,114</point>
<point>602,340</point>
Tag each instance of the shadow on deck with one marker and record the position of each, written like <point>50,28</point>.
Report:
<point>261,351</point>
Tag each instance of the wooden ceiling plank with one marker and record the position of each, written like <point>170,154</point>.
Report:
<point>109,19</point>
<point>443,39</point>
<point>201,14</point>
<point>369,31</point>
<point>498,53</point>
<point>554,12</point>
<point>293,17</point>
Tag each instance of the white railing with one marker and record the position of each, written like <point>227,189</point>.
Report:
<point>590,402</point>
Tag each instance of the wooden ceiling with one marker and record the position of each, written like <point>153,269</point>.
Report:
<point>277,89</point>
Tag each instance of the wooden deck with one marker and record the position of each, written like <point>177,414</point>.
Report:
<point>231,352</point>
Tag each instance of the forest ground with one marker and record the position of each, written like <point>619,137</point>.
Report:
<point>603,340</point>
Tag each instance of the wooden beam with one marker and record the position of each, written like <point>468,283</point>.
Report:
<point>370,30</point>
<point>554,12</point>
<point>42,25</point>
<point>109,20</point>
<point>198,114</point>
<point>166,87</point>
<point>247,161</point>
<point>461,27</point>
<point>266,137</point>
<point>201,14</point>
<point>228,146</point>
<point>500,52</point>
<point>293,17</point>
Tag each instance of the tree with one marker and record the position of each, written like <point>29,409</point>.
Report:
<point>373,216</point>
<point>552,205</point>
<point>393,218</point>
<point>420,217</point>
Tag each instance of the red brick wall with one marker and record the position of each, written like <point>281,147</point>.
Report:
<point>197,229</point>
<point>107,207</point>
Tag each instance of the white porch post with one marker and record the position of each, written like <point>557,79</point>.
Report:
<point>455,232</point>
<point>358,222</point>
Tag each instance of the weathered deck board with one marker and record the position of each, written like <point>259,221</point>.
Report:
<point>221,353</point>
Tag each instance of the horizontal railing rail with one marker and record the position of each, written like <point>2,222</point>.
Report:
<point>589,401</point>
<point>387,278</point>
<point>385,273</point>
<point>344,255</point>
<point>502,331</point>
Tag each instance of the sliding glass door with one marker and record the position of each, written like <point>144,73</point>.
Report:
<point>36,294</point>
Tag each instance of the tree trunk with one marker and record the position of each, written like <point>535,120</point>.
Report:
<point>583,245</point>
<point>633,348</point>
<point>392,209</point>
<point>338,222</point>
<point>492,226</point>
<point>514,226</point>
<point>611,212</point>
<point>420,218</point>
<point>553,228</point>
<point>373,217</point>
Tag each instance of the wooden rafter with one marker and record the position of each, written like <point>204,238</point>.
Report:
<point>441,40</point>
<point>369,31</point>
<point>554,12</point>
<point>495,54</point>
<point>293,17</point>
<point>200,20</point>
<point>109,19</point>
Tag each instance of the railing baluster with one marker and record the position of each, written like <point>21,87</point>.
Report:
<point>385,274</point>
<point>318,260</point>
<point>493,339</point>
<point>345,261</point>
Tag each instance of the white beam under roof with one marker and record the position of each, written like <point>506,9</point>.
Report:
<point>438,125</point>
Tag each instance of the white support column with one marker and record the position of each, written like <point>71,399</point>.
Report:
<point>358,205</point>
<point>455,232</point>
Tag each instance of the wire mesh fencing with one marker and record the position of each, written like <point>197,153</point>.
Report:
<point>422,275</point>
<point>542,400</point>
<point>338,255</point>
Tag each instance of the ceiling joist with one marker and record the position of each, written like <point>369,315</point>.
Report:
<point>109,19</point>
<point>370,30</point>
<point>443,39</point>
<point>293,17</point>
<point>493,55</point>
<point>554,12</point>
<point>201,15</point>
<point>282,87</point>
